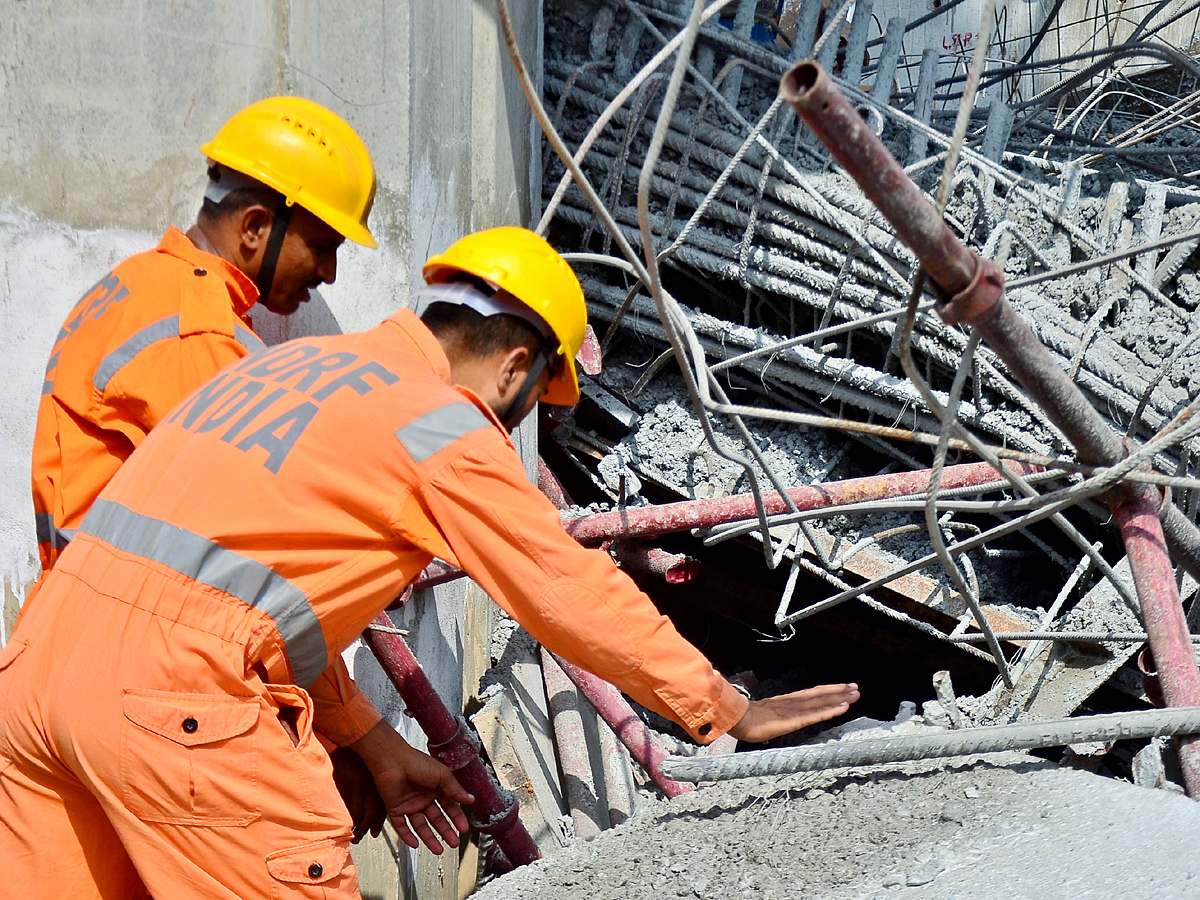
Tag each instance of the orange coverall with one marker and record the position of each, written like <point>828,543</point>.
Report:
<point>143,338</point>
<point>257,531</point>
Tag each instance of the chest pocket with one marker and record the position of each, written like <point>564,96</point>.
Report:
<point>190,759</point>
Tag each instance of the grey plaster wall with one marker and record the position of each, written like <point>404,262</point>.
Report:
<point>103,105</point>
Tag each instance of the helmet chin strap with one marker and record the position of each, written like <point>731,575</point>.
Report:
<point>512,415</point>
<point>279,227</point>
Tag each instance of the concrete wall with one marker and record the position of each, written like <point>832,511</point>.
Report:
<point>103,104</point>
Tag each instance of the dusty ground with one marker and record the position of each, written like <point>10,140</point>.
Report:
<point>1005,825</point>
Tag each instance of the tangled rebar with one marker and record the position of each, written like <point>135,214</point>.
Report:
<point>744,255</point>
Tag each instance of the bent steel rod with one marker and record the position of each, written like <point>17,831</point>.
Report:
<point>976,289</point>
<point>959,742</point>
<point>452,743</point>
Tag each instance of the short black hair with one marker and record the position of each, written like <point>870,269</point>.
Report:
<point>481,335</point>
<point>238,199</point>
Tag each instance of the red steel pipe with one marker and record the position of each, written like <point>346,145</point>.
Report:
<point>626,725</point>
<point>1178,678</point>
<point>674,568</point>
<point>649,521</point>
<point>844,132</point>
<point>452,743</point>
<point>976,286</point>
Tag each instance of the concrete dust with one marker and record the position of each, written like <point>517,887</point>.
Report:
<point>997,825</point>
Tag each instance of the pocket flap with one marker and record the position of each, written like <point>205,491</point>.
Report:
<point>309,864</point>
<point>190,719</point>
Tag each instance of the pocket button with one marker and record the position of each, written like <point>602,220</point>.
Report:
<point>190,725</point>
<point>315,870</point>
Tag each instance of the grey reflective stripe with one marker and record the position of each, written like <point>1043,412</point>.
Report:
<point>200,559</point>
<point>47,387</point>
<point>44,524</point>
<point>247,338</point>
<point>438,428</point>
<point>111,364</point>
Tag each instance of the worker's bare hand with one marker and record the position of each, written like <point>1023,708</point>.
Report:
<point>422,796</point>
<point>772,716</point>
<point>423,800</point>
<point>357,787</point>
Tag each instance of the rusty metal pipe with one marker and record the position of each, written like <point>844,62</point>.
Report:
<point>452,743</point>
<point>975,284</point>
<point>843,131</point>
<point>1170,642</point>
<point>665,518</point>
<point>674,568</point>
<point>976,289</point>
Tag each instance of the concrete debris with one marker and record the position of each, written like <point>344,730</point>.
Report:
<point>771,359</point>
<point>935,832</point>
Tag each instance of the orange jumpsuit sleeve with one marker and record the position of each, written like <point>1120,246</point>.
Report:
<point>480,512</point>
<point>156,379</point>
<point>341,711</point>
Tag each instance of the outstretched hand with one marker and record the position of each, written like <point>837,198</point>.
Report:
<point>422,797</point>
<point>774,716</point>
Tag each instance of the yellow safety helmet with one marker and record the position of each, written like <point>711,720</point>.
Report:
<point>522,263</point>
<point>307,153</point>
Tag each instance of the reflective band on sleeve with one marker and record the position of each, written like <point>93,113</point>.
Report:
<point>111,364</point>
<point>47,387</point>
<point>44,524</point>
<point>438,428</point>
<point>247,338</point>
<point>200,559</point>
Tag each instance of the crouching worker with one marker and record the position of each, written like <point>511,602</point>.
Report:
<point>157,704</point>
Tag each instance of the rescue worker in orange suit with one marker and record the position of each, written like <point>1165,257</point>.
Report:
<point>254,534</point>
<point>288,181</point>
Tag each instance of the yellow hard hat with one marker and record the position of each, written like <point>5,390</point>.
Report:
<point>527,267</point>
<point>307,153</point>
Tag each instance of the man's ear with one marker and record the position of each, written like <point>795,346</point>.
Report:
<point>254,227</point>
<point>514,366</point>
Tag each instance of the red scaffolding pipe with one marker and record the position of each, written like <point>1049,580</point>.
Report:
<point>650,521</point>
<point>452,743</point>
<point>626,724</point>
<point>673,568</point>
<point>977,298</point>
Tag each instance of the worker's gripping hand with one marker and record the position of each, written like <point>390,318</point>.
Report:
<point>357,787</point>
<point>773,716</point>
<point>421,795</point>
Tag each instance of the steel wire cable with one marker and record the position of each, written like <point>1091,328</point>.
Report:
<point>927,439</point>
<point>677,323</point>
<point>957,742</point>
<point>598,206</point>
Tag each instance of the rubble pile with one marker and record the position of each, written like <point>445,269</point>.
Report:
<point>1079,176</point>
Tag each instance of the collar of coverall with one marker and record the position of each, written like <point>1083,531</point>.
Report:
<point>242,292</point>
<point>427,344</point>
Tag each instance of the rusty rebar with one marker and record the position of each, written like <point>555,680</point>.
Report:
<point>975,287</point>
